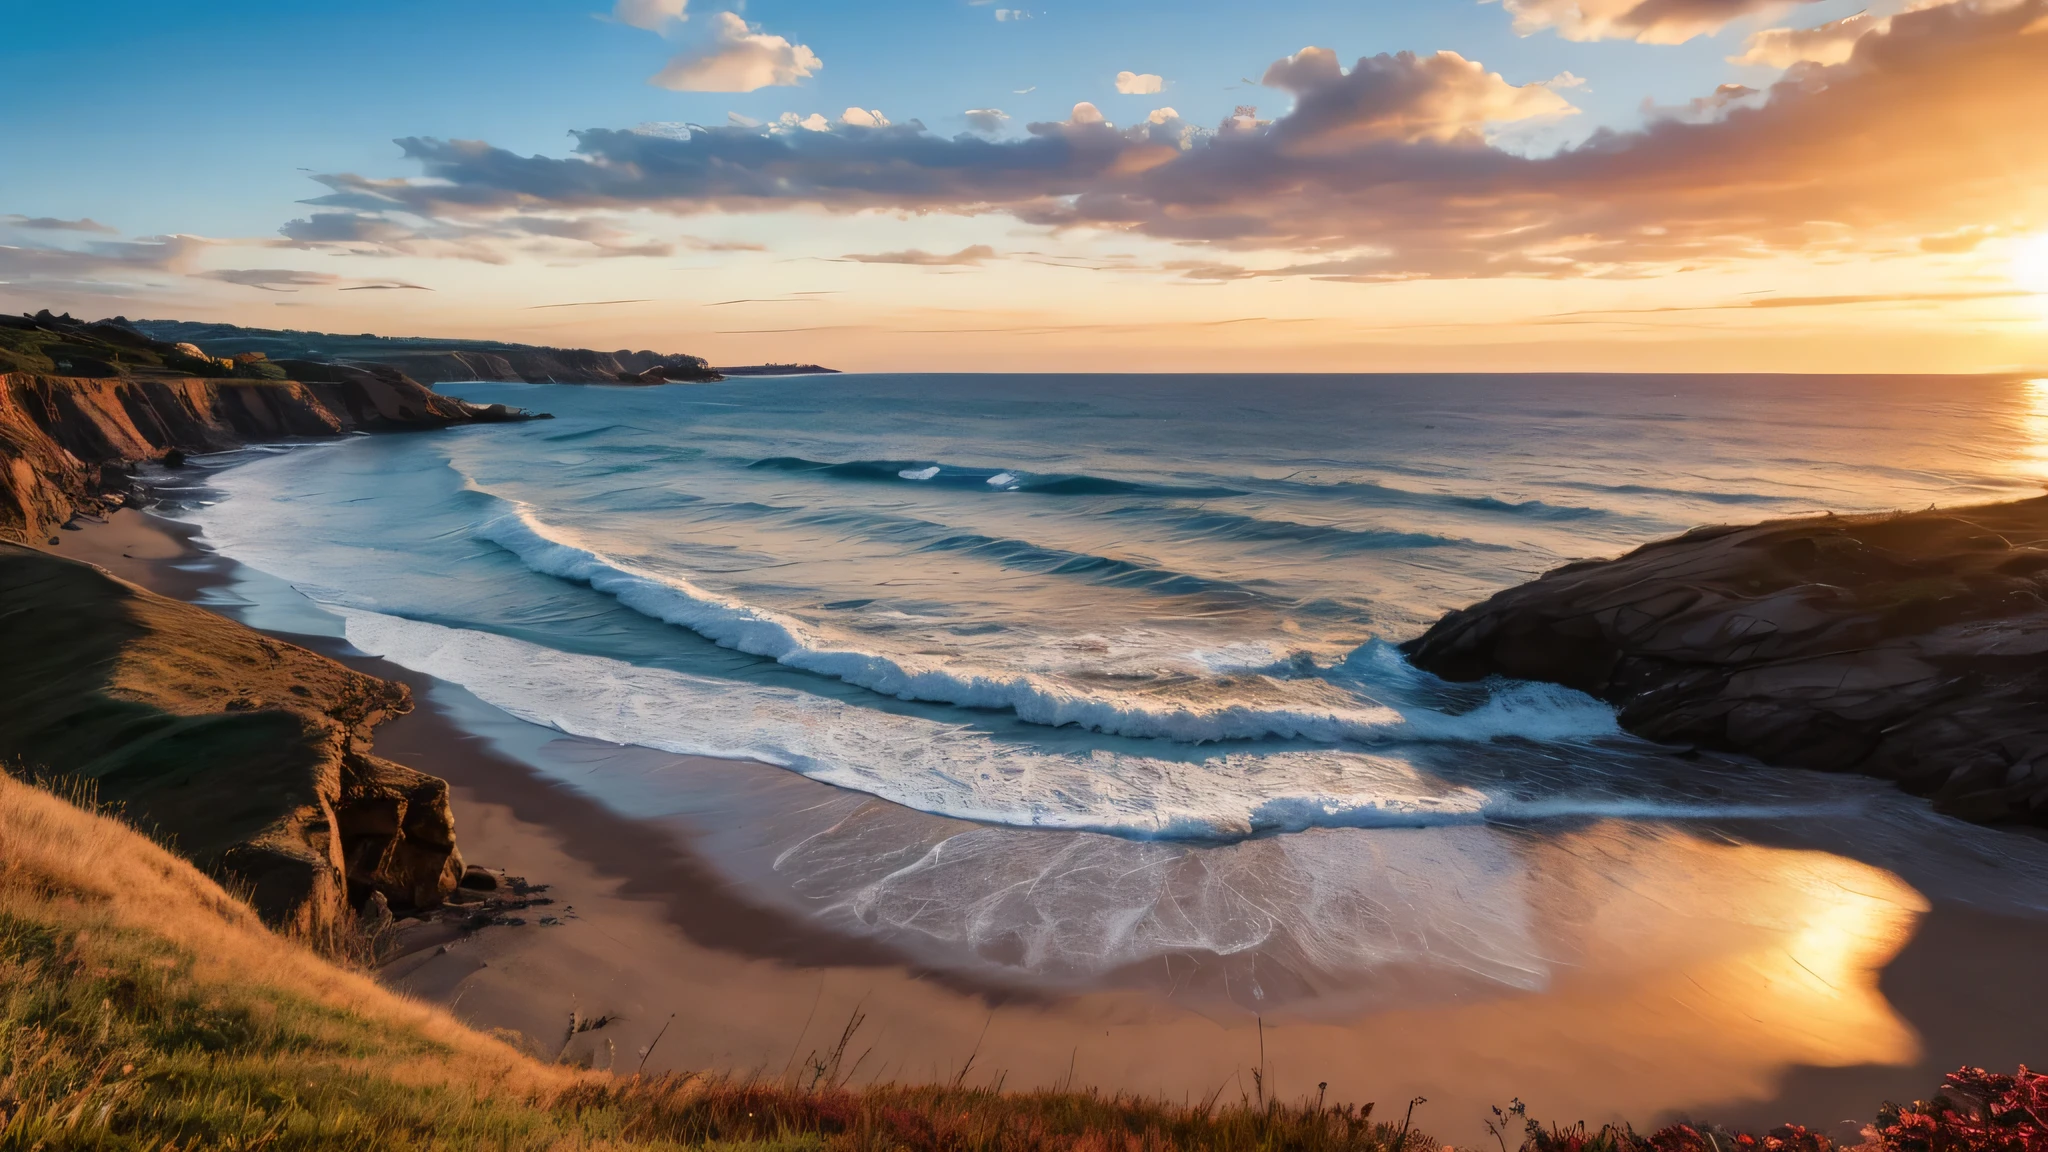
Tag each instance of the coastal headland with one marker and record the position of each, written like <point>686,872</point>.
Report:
<point>82,404</point>
<point>1906,646</point>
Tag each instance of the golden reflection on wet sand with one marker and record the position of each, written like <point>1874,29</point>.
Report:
<point>1676,971</point>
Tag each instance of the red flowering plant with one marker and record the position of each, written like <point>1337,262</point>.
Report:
<point>1975,1111</point>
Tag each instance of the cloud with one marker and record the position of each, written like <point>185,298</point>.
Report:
<point>966,256</point>
<point>1830,43</point>
<point>864,118</point>
<point>1084,114</point>
<point>1705,109</point>
<point>1008,14</point>
<point>496,240</point>
<point>100,263</point>
<point>1402,97</point>
<point>739,59</point>
<point>1931,125</point>
<point>52,224</point>
<point>1965,239</point>
<point>1645,21</point>
<point>1162,115</point>
<point>987,121</point>
<point>1138,84</point>
<point>271,279</point>
<point>653,15</point>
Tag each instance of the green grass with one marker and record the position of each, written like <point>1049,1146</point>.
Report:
<point>59,346</point>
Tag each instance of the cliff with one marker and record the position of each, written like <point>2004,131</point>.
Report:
<point>81,403</point>
<point>436,361</point>
<point>1908,647</point>
<point>248,755</point>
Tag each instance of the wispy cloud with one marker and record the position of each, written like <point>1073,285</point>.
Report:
<point>271,279</point>
<point>972,256</point>
<point>653,15</point>
<point>1646,21</point>
<point>53,224</point>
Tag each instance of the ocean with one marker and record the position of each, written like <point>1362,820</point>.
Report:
<point>1117,653</point>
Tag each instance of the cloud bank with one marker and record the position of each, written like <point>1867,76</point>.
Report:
<point>1384,170</point>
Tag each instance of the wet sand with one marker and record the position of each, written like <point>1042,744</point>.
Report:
<point>1842,987</point>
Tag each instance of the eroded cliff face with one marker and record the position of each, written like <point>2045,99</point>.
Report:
<point>66,443</point>
<point>1911,647</point>
<point>248,755</point>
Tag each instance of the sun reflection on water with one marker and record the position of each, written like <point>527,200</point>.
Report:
<point>2034,425</point>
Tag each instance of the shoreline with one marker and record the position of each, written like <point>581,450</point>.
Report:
<point>652,928</point>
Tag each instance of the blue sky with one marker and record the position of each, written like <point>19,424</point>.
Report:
<point>1878,177</point>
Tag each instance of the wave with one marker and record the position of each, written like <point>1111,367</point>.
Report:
<point>1538,712</point>
<point>1384,496</point>
<point>1213,525</point>
<point>985,479</point>
<point>1681,493</point>
<point>959,771</point>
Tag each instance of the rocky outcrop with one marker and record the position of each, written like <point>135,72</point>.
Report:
<point>247,755</point>
<point>66,442</point>
<point>1912,647</point>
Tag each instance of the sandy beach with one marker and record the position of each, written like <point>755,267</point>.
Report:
<point>1844,988</point>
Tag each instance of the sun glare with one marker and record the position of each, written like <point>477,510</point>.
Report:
<point>2030,263</point>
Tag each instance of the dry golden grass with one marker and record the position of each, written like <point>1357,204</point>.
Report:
<point>144,1008</point>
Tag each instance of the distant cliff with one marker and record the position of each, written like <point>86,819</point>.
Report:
<point>434,361</point>
<point>81,403</point>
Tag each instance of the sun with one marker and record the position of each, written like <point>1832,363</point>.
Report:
<point>2030,263</point>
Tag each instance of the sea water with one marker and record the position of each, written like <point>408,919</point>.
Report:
<point>1132,628</point>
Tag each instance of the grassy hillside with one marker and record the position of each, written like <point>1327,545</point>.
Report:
<point>60,346</point>
<point>142,1007</point>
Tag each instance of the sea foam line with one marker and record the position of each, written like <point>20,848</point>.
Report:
<point>1537,712</point>
<point>958,771</point>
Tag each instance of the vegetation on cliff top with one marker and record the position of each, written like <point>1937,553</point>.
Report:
<point>61,346</point>
<point>142,1007</point>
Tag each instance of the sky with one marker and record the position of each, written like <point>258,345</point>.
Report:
<point>954,185</point>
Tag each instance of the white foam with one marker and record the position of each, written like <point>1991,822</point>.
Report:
<point>957,770</point>
<point>919,473</point>
<point>953,770</point>
<point>1536,712</point>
